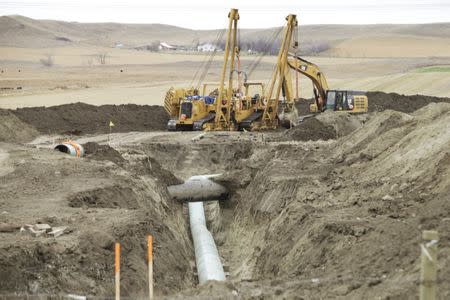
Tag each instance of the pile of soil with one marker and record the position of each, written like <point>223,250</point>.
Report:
<point>343,122</point>
<point>103,152</point>
<point>14,130</point>
<point>344,219</point>
<point>311,129</point>
<point>379,101</point>
<point>115,196</point>
<point>99,203</point>
<point>81,118</point>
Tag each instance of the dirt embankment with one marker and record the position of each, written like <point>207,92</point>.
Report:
<point>344,218</point>
<point>315,220</point>
<point>13,130</point>
<point>329,125</point>
<point>380,101</point>
<point>311,129</point>
<point>100,203</point>
<point>81,118</point>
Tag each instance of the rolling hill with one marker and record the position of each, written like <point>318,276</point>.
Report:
<point>385,40</point>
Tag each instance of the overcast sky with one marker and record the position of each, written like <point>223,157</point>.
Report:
<point>204,14</point>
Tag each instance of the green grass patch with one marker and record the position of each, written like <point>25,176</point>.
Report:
<point>433,69</point>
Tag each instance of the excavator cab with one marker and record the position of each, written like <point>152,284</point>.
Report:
<point>341,100</point>
<point>351,101</point>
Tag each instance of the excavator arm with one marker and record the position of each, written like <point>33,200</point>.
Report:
<point>313,72</point>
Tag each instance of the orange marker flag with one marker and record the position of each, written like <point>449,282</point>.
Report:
<point>117,270</point>
<point>150,266</point>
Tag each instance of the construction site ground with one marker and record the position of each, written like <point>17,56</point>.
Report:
<point>332,208</point>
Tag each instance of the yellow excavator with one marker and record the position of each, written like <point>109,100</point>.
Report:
<point>326,99</point>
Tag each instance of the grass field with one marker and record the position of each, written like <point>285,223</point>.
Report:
<point>434,69</point>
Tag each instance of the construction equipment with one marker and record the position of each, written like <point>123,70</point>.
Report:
<point>185,109</point>
<point>224,108</point>
<point>337,100</point>
<point>281,82</point>
<point>235,108</point>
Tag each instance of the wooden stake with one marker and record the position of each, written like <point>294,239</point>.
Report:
<point>428,272</point>
<point>117,271</point>
<point>150,266</point>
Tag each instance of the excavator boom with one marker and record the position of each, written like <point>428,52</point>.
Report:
<point>313,72</point>
<point>345,100</point>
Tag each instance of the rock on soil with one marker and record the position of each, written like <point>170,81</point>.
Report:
<point>81,118</point>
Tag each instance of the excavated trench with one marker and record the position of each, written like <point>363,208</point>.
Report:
<point>307,217</point>
<point>325,218</point>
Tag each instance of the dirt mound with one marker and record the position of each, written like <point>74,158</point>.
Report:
<point>103,152</point>
<point>13,129</point>
<point>107,197</point>
<point>379,101</point>
<point>81,118</point>
<point>344,123</point>
<point>338,225</point>
<point>311,129</point>
<point>99,203</point>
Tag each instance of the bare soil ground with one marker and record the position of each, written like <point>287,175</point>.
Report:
<point>309,217</point>
<point>142,78</point>
<point>80,118</point>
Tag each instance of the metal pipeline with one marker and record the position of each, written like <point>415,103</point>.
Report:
<point>207,257</point>
<point>198,188</point>
<point>71,147</point>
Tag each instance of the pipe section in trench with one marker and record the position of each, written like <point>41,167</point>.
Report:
<point>207,257</point>
<point>197,189</point>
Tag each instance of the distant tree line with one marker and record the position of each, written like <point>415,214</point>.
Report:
<point>257,45</point>
<point>261,46</point>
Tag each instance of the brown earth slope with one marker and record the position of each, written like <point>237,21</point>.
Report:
<point>344,219</point>
<point>340,218</point>
<point>100,203</point>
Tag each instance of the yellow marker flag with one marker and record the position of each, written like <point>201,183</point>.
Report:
<point>111,124</point>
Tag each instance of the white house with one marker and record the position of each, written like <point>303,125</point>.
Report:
<point>207,47</point>
<point>165,46</point>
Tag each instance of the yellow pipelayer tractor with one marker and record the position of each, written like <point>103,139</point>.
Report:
<point>233,108</point>
<point>227,108</point>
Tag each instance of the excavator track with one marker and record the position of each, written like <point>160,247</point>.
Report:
<point>247,123</point>
<point>198,125</point>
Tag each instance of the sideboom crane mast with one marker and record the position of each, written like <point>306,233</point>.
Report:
<point>223,120</point>
<point>281,77</point>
